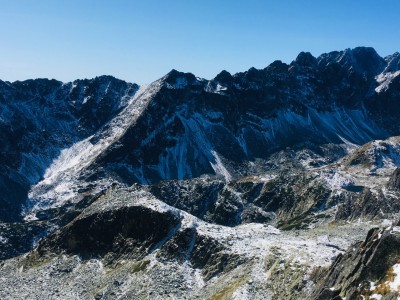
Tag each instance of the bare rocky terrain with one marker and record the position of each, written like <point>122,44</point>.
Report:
<point>279,183</point>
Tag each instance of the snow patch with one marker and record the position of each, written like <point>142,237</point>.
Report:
<point>384,81</point>
<point>395,284</point>
<point>180,83</point>
<point>220,88</point>
<point>219,167</point>
<point>266,178</point>
<point>395,229</point>
<point>3,240</point>
<point>336,179</point>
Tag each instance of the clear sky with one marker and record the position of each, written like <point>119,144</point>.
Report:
<point>140,41</point>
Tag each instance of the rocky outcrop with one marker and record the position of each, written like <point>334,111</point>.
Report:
<point>121,225</point>
<point>252,199</point>
<point>17,238</point>
<point>127,229</point>
<point>366,204</point>
<point>363,264</point>
<point>202,252</point>
<point>394,181</point>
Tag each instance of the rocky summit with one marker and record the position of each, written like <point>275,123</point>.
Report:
<point>279,183</point>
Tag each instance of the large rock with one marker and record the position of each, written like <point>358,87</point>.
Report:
<point>394,181</point>
<point>369,261</point>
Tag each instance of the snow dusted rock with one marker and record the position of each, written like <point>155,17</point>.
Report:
<point>394,181</point>
<point>39,118</point>
<point>182,127</point>
<point>274,200</point>
<point>129,244</point>
<point>132,230</point>
<point>367,204</point>
<point>366,269</point>
<point>185,127</point>
<point>173,190</point>
<point>132,223</point>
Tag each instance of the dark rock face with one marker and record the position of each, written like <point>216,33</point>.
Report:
<point>17,238</point>
<point>394,181</point>
<point>366,205</point>
<point>134,230</point>
<point>277,201</point>
<point>195,196</point>
<point>368,261</point>
<point>202,252</point>
<point>393,62</point>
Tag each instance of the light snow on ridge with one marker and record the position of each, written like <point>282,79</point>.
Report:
<point>60,180</point>
<point>384,79</point>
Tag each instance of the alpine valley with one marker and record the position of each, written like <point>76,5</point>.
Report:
<point>279,183</point>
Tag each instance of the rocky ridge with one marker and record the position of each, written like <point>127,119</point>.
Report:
<point>248,186</point>
<point>131,241</point>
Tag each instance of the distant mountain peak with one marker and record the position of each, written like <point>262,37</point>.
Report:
<point>277,66</point>
<point>393,62</point>
<point>305,59</point>
<point>224,77</point>
<point>178,80</point>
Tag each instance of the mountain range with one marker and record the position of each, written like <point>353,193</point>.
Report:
<point>275,183</point>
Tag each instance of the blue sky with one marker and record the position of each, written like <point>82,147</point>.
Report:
<point>140,41</point>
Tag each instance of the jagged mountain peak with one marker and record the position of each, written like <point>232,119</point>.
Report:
<point>305,59</point>
<point>105,78</point>
<point>179,80</point>
<point>224,77</point>
<point>38,87</point>
<point>393,62</point>
<point>101,80</point>
<point>197,176</point>
<point>36,81</point>
<point>363,60</point>
<point>45,82</point>
<point>367,60</point>
<point>251,79</point>
<point>267,109</point>
<point>277,66</point>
